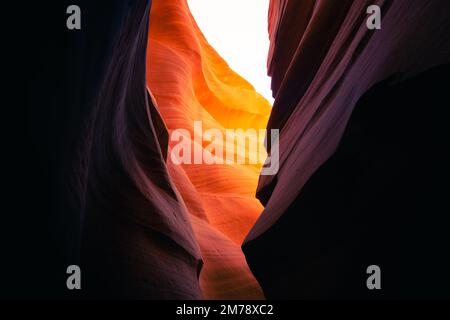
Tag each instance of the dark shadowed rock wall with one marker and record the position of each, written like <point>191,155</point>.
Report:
<point>363,153</point>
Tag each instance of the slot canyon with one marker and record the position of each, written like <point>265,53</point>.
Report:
<point>363,153</point>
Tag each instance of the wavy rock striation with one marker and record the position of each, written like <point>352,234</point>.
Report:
<point>343,199</point>
<point>137,238</point>
<point>191,82</point>
<point>364,156</point>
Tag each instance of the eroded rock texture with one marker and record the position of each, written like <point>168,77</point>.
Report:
<point>191,82</point>
<point>364,156</point>
<point>93,156</point>
<point>139,226</point>
<point>360,166</point>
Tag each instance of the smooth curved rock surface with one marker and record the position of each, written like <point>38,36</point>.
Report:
<point>363,144</point>
<point>323,60</point>
<point>318,80</point>
<point>191,82</point>
<point>137,238</point>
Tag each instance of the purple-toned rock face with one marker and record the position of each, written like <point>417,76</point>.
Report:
<point>363,158</point>
<point>115,211</point>
<point>320,211</point>
<point>136,229</point>
<point>322,63</point>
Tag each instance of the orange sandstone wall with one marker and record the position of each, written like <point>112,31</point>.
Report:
<point>191,82</point>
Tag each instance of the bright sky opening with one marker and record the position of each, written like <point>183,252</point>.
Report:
<point>237,29</point>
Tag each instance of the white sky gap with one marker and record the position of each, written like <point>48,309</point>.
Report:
<point>237,29</point>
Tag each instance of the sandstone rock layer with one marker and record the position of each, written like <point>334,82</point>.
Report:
<point>191,82</point>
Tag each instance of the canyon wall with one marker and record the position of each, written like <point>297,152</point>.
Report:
<point>191,82</point>
<point>105,100</point>
<point>363,155</point>
<point>137,241</point>
<point>153,229</point>
<point>343,198</point>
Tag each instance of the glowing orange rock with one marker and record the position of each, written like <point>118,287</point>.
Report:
<point>191,82</point>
